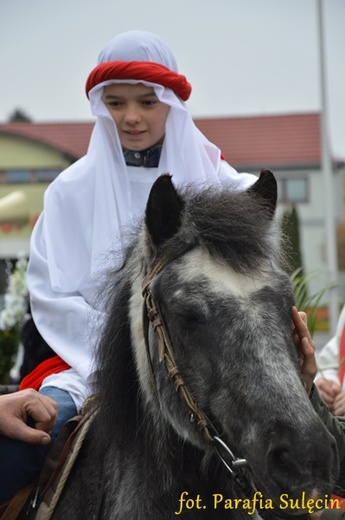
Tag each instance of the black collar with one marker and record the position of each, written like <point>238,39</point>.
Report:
<point>148,158</point>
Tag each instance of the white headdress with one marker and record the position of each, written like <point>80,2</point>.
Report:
<point>102,175</point>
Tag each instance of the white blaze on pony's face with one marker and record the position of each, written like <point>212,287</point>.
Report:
<point>222,278</point>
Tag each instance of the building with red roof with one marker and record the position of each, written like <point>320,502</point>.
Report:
<point>276,141</point>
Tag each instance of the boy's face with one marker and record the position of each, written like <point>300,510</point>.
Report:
<point>138,114</point>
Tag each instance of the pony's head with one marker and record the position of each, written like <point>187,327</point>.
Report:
<point>226,305</point>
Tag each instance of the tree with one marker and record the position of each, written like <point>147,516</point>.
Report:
<point>19,116</point>
<point>292,264</point>
<point>291,241</point>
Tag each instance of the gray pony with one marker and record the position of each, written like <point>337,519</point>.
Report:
<point>227,428</point>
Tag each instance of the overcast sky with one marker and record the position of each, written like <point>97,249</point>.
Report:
<point>243,57</point>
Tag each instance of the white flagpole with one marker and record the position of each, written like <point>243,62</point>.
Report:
<point>326,163</point>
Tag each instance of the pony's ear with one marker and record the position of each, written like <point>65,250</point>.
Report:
<point>163,210</point>
<point>266,188</point>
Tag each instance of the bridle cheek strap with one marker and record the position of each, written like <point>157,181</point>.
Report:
<point>166,355</point>
<point>152,315</point>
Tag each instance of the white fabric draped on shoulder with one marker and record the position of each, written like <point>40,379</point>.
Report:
<point>89,207</point>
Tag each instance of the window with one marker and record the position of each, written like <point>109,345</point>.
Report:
<point>18,176</point>
<point>46,175</point>
<point>293,189</point>
<point>28,176</point>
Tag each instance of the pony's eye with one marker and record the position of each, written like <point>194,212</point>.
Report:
<point>196,318</point>
<point>188,309</point>
<point>191,317</point>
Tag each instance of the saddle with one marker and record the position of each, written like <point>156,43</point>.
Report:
<point>38,501</point>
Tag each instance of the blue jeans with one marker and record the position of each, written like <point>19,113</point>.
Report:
<point>20,463</point>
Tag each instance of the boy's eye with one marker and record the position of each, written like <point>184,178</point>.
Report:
<point>111,103</point>
<point>149,102</point>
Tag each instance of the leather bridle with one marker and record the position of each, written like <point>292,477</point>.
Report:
<point>153,316</point>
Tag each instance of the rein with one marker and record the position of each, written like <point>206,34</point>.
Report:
<point>152,315</point>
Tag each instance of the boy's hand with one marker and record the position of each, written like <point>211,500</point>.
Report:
<point>305,347</point>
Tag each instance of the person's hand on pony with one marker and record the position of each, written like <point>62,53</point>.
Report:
<point>305,346</point>
<point>17,409</point>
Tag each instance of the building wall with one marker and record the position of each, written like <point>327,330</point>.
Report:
<point>15,238</point>
<point>312,218</point>
<point>31,158</point>
<point>17,152</point>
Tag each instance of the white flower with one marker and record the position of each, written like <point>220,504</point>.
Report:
<point>16,297</point>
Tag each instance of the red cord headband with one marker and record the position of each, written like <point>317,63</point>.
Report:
<point>140,70</point>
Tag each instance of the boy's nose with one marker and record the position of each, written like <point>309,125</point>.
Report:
<point>132,117</point>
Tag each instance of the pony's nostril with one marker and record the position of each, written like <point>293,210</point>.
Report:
<point>280,461</point>
<point>286,459</point>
